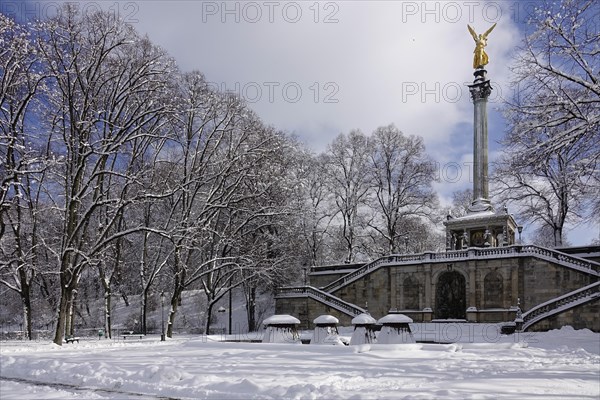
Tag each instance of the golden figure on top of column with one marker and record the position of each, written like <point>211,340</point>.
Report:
<point>480,57</point>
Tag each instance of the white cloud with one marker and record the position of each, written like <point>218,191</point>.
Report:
<point>375,63</point>
<point>381,63</point>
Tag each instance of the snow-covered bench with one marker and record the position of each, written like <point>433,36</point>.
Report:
<point>133,335</point>
<point>71,339</point>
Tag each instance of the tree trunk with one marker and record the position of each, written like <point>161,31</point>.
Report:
<point>62,315</point>
<point>26,297</point>
<point>125,299</point>
<point>144,306</point>
<point>251,309</point>
<point>208,316</point>
<point>557,236</point>
<point>70,330</point>
<point>107,313</point>
<point>175,299</point>
<point>25,294</point>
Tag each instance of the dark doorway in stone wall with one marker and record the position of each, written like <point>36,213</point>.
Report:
<point>450,296</point>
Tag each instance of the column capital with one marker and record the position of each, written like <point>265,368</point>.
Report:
<point>480,90</point>
<point>481,87</point>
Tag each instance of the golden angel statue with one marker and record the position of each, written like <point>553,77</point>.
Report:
<point>480,57</point>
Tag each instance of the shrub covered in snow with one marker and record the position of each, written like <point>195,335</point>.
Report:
<point>363,330</point>
<point>281,329</point>
<point>396,329</point>
<point>326,331</point>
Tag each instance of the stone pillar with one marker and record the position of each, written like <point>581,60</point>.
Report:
<point>472,285</point>
<point>472,314</point>
<point>393,288</point>
<point>480,91</point>
<point>514,283</point>
<point>428,286</point>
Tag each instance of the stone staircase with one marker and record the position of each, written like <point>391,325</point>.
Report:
<point>561,304</point>
<point>320,296</point>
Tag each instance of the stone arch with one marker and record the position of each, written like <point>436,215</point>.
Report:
<point>410,293</point>
<point>437,272</point>
<point>450,295</point>
<point>493,290</point>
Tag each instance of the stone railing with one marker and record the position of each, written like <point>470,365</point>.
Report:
<point>321,296</point>
<point>580,264</point>
<point>560,304</point>
<point>472,253</point>
<point>365,269</point>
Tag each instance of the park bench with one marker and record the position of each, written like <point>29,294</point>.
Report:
<point>133,335</point>
<point>71,339</point>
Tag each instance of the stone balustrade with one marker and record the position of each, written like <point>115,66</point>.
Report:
<point>566,260</point>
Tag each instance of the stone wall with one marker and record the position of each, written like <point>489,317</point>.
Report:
<point>322,279</point>
<point>492,290</point>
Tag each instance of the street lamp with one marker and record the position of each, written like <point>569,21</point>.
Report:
<point>304,268</point>
<point>406,243</point>
<point>520,229</point>
<point>162,311</point>
<point>222,310</point>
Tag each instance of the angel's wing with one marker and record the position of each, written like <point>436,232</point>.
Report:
<point>489,31</point>
<point>472,32</point>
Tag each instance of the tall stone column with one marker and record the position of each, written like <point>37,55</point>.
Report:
<point>480,91</point>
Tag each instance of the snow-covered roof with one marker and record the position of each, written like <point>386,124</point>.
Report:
<point>326,319</point>
<point>363,319</point>
<point>481,214</point>
<point>281,319</point>
<point>395,319</point>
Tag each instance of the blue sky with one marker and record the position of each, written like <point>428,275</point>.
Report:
<point>316,69</point>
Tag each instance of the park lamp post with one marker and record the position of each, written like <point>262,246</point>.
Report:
<point>222,310</point>
<point>162,312</point>
<point>305,270</point>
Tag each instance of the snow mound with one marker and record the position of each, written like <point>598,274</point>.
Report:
<point>281,319</point>
<point>326,319</point>
<point>395,319</point>
<point>363,319</point>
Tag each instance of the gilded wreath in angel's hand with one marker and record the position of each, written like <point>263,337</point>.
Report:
<point>480,57</point>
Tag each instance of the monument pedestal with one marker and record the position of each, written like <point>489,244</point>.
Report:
<point>481,229</point>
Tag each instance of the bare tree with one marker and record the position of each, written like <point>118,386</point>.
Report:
<point>347,172</point>
<point>543,236</point>
<point>108,92</point>
<point>315,206</point>
<point>22,163</point>
<point>554,118</point>
<point>549,193</point>
<point>218,141</point>
<point>245,245</point>
<point>461,200</point>
<point>402,176</point>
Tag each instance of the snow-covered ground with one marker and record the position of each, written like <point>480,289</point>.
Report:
<point>482,365</point>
